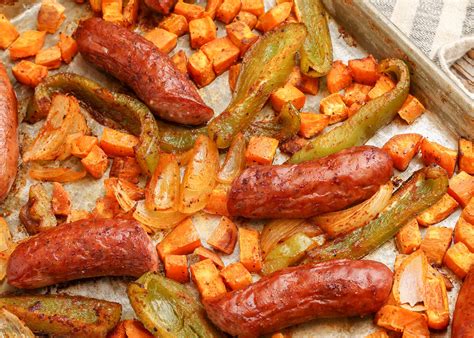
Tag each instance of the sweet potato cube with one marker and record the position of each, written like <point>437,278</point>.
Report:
<point>288,93</point>
<point>383,85</point>
<point>29,73</point>
<point>334,107</point>
<point>125,168</point>
<point>208,280</point>
<point>464,232</point>
<point>130,12</point>
<point>434,153</point>
<point>435,300</point>
<point>438,211</point>
<point>411,109</point>
<point>228,10</point>
<point>217,203</point>
<point>201,31</point>
<point>182,240</point>
<point>461,187</point>
<point>212,6</point>
<point>77,215</point>
<point>397,319</point>
<point>176,268</point>
<point>82,145</point>
<point>96,162</point>
<point>162,39</point>
<point>204,253</point>
<point>112,11</point>
<point>50,57</point>
<point>356,93</point>
<point>241,35</point>
<point>189,11</point>
<point>436,243</point>
<point>9,32</point>
<point>96,5</point>
<point>364,71</point>
<point>339,77</point>
<point>248,18</point>
<point>50,16</point>
<point>200,69</point>
<point>261,150</point>
<point>236,276</point>
<point>68,47</point>
<point>468,212</point>
<point>116,143</point>
<point>312,124</point>
<point>249,244</point>
<point>256,7</point>
<point>28,44</point>
<point>234,72</point>
<point>60,201</point>
<point>378,334</point>
<point>466,156</point>
<point>180,60</point>
<point>402,148</point>
<point>135,329</point>
<point>408,239</point>
<point>224,236</point>
<point>275,16</point>
<point>222,53</point>
<point>306,84</point>
<point>175,23</point>
<point>459,259</point>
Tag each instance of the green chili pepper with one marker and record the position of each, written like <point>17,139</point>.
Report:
<point>64,315</point>
<point>316,54</point>
<point>168,309</point>
<point>421,191</point>
<point>360,127</point>
<point>175,138</point>
<point>265,68</point>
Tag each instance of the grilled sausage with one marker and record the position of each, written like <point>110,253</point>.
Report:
<point>304,190</point>
<point>82,249</point>
<point>161,6</point>
<point>341,288</point>
<point>8,134</point>
<point>463,319</point>
<point>138,63</point>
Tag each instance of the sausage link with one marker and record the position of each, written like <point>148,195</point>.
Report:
<point>161,6</point>
<point>463,319</point>
<point>341,288</point>
<point>82,249</point>
<point>139,64</point>
<point>311,188</point>
<point>8,134</point>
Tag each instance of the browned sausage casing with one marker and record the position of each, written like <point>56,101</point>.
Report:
<point>82,249</point>
<point>139,64</point>
<point>8,134</point>
<point>340,288</point>
<point>311,188</point>
<point>463,319</point>
<point>161,6</point>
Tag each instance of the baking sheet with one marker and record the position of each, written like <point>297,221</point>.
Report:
<point>84,194</point>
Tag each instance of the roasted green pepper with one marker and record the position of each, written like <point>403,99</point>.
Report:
<point>265,68</point>
<point>168,309</point>
<point>421,191</point>
<point>316,54</point>
<point>360,127</point>
<point>176,138</point>
<point>64,315</point>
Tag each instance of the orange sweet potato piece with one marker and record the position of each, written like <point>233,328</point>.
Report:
<point>461,187</point>
<point>29,73</point>
<point>334,107</point>
<point>435,300</point>
<point>217,203</point>
<point>50,16</point>
<point>383,85</point>
<point>135,329</point>
<point>402,148</point>
<point>96,162</point>
<point>288,93</point>
<point>248,18</point>
<point>224,236</point>
<point>189,11</point>
<point>176,268</point>
<point>312,124</point>
<point>9,32</point>
<point>466,156</point>
<point>432,152</point>
<point>364,71</point>
<point>116,143</point>
<point>222,53</point>
<point>228,10</point>
<point>201,31</point>
<point>125,168</point>
<point>112,11</point>
<point>182,240</point>
<point>77,215</point>
<point>234,72</point>
<point>435,244</point>
<point>130,12</point>
<point>207,278</point>
<point>106,207</point>
<point>306,84</point>
<point>339,77</point>
<point>261,150</point>
<point>175,23</point>
<point>28,44</point>
<point>464,232</point>
<point>398,319</point>
<point>411,109</point>
<point>459,259</point>
<point>50,57</point>
<point>82,145</point>
<point>204,253</point>
<point>356,93</point>
<point>165,41</point>
<point>180,61</point>
<point>236,276</point>
<point>275,16</point>
<point>118,331</point>
<point>241,35</point>
<point>60,201</point>
<point>438,211</point>
<point>256,7</point>
<point>212,6</point>
<point>68,47</point>
<point>408,239</point>
<point>468,212</point>
<point>200,69</point>
<point>250,255</point>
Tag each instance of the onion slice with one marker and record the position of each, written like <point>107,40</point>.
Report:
<point>163,190</point>
<point>12,326</point>
<point>157,220</point>
<point>409,279</point>
<point>60,175</point>
<point>123,199</point>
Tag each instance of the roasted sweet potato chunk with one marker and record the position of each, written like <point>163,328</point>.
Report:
<point>116,143</point>
<point>461,187</point>
<point>402,148</point>
<point>208,280</point>
<point>82,145</point>
<point>182,240</point>
<point>180,60</point>
<point>356,93</point>
<point>464,232</point>
<point>217,203</point>
<point>383,85</point>
<point>250,255</point>
<point>125,168</point>
<point>288,93</point>
<point>165,41</point>
<point>201,31</point>
<point>211,7</point>
<point>28,44</point>
<point>189,11</point>
<point>435,244</point>
<point>408,239</point>
<point>274,16</point>
<point>364,71</point>
<point>96,162</point>
<point>411,109</point>
<point>112,11</point>
<point>241,35</point>
<point>9,32</point>
<point>60,201</point>
<point>224,236</point>
<point>432,152</point>
<point>466,156</point>
<point>459,259</point>
<point>228,10</point>
<point>256,7</point>
<point>334,107</point>
<point>339,77</point>
<point>438,211</point>
<point>248,18</point>
<point>222,53</point>
<point>50,16</point>
<point>176,268</point>
<point>398,319</point>
<point>68,47</point>
<point>234,72</point>
<point>175,23</point>
<point>204,253</point>
<point>435,300</point>
<point>29,73</point>
<point>312,124</point>
<point>236,276</point>
<point>50,57</point>
<point>261,150</point>
<point>306,84</point>
<point>200,69</point>
<point>468,212</point>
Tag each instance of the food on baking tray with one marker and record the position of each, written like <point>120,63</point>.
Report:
<point>463,319</point>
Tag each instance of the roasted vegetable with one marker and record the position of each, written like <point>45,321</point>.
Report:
<point>316,54</point>
<point>365,123</point>
<point>11,326</point>
<point>421,191</point>
<point>168,309</point>
<point>234,161</point>
<point>37,214</point>
<point>157,220</point>
<point>64,315</point>
<point>265,68</point>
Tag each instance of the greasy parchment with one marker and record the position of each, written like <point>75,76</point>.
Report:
<point>85,192</point>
